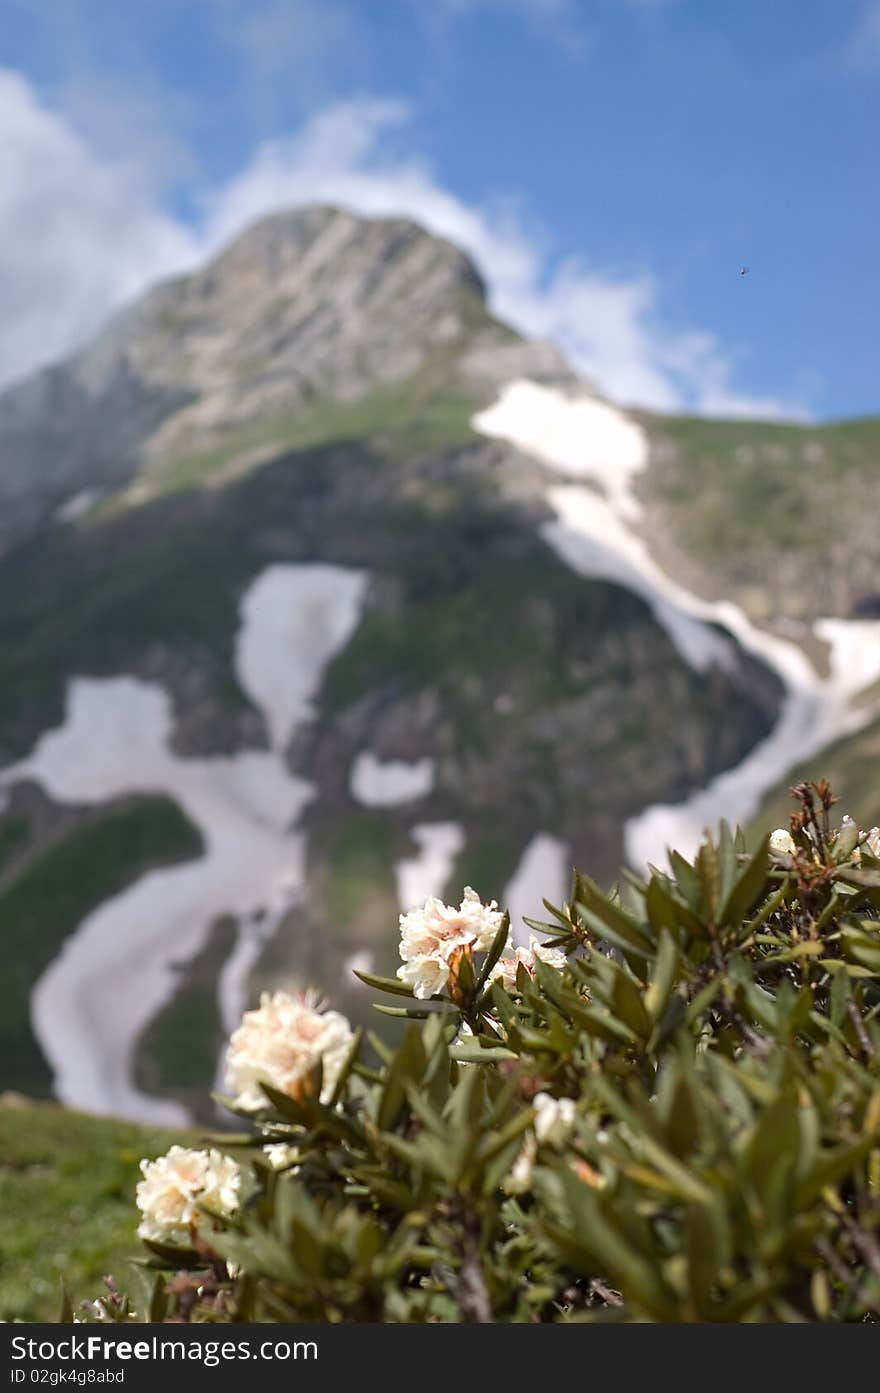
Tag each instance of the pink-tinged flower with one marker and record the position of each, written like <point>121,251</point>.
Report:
<point>175,1187</point>
<point>433,938</point>
<point>280,1044</point>
<point>505,969</point>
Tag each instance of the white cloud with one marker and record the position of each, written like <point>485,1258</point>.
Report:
<point>81,236</point>
<point>609,325</point>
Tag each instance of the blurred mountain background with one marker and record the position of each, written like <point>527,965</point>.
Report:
<point>306,406</point>
<point>438,445</point>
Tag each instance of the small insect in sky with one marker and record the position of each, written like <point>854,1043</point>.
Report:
<point>744,270</point>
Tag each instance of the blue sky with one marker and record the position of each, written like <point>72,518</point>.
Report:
<point>610,164</point>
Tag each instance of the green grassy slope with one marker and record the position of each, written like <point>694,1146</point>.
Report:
<point>773,516</point>
<point>782,520</point>
<point>67,1206</point>
<point>432,408</point>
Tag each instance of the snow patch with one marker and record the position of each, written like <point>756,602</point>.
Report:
<point>386,784</point>
<point>294,620</point>
<point>360,961</point>
<point>77,505</point>
<point>590,538</point>
<point>427,873</point>
<point>593,533</point>
<point>544,872</point>
<point>854,659</point>
<point>576,435</point>
<point>116,971</point>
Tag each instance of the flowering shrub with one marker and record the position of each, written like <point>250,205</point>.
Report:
<point>180,1189</point>
<point>436,939</point>
<point>665,1109</point>
<point>278,1046</point>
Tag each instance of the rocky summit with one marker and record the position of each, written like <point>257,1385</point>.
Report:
<point>323,590</point>
<point>306,306</point>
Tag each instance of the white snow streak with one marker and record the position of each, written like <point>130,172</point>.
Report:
<point>387,784</point>
<point>427,872</point>
<point>117,970</point>
<point>544,872</point>
<point>593,532</point>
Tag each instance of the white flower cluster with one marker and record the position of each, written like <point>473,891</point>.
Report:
<point>280,1044</point>
<point>177,1184</point>
<point>872,842</point>
<point>553,1121</point>
<point>782,843</point>
<point>282,1157</point>
<point>505,969</point>
<point>432,939</point>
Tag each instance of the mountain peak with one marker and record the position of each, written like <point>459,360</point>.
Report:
<point>310,245</point>
<point>308,304</point>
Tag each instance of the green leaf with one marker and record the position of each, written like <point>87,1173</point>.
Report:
<point>862,879</point>
<point>663,976</point>
<point>65,1312</point>
<point>158,1306</point>
<point>594,1244</point>
<point>624,942</point>
<point>688,880</point>
<point>628,1005</point>
<point>385,984</point>
<point>833,1166</point>
<point>593,904</point>
<point>775,1140</point>
<point>171,1256</point>
<point>476,1054</point>
<point>863,944</point>
<point>708,1249</point>
<point>499,943</point>
<point>410,1013</point>
<point>350,1060</point>
<point>407,1066</point>
<point>728,864</point>
<point>749,888</point>
<point>287,1107</point>
<point>710,880</point>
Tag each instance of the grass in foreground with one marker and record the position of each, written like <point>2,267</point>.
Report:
<point>66,1203</point>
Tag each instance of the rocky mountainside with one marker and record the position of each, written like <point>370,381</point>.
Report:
<point>323,590</point>
<point>305,306</point>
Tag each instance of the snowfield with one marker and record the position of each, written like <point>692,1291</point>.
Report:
<point>544,872</point>
<point>378,784</point>
<point>91,1005</point>
<point>594,532</point>
<point>417,877</point>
